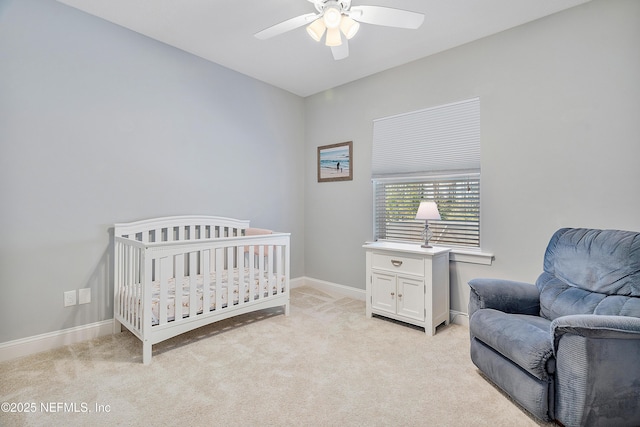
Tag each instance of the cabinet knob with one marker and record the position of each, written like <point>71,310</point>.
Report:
<point>396,262</point>
<point>399,295</point>
<point>393,293</point>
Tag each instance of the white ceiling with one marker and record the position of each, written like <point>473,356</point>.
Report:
<point>222,32</point>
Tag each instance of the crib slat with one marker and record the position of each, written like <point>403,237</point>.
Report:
<point>179,276</point>
<point>252,274</point>
<point>206,281</point>
<point>162,279</point>
<point>193,285</point>
<point>270,285</point>
<point>124,257</point>
<point>219,267</point>
<point>278,268</point>
<point>262,283</point>
<point>281,269</point>
<point>133,303</point>
<point>131,306</point>
<point>231,287</point>
<point>123,276</point>
<point>138,299</point>
<point>241,283</point>
<point>135,286</point>
<point>144,296</point>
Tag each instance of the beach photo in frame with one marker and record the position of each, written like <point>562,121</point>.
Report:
<point>335,162</point>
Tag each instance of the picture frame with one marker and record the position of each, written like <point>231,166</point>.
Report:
<point>335,162</point>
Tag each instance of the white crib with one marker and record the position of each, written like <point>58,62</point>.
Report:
<point>175,274</point>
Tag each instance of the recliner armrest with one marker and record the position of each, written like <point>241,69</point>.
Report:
<point>595,326</point>
<point>507,296</point>
<point>597,378</point>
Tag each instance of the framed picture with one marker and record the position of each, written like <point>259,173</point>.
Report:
<point>335,162</point>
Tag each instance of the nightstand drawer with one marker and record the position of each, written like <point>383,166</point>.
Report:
<point>398,263</point>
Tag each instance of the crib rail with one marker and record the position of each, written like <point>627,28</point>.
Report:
<point>199,277</point>
<point>180,228</point>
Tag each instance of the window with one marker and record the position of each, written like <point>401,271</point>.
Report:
<point>431,154</point>
<point>458,198</point>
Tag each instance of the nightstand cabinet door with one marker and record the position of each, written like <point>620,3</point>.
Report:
<point>410,302</point>
<point>383,292</point>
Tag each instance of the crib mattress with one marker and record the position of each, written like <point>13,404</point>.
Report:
<point>268,285</point>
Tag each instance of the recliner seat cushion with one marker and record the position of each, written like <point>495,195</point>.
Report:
<point>523,339</point>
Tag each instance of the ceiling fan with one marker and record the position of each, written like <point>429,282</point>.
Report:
<point>337,18</point>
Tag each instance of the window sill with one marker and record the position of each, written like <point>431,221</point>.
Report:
<point>470,256</point>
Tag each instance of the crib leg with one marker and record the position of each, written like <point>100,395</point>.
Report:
<point>146,352</point>
<point>286,309</point>
<point>117,327</point>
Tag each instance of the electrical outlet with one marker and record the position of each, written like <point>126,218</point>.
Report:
<point>69,298</point>
<point>84,296</point>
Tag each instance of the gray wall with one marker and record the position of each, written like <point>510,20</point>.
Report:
<point>101,125</point>
<point>560,118</point>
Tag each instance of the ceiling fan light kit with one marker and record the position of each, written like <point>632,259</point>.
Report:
<point>336,17</point>
<point>333,21</point>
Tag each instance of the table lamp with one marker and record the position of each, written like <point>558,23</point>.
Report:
<point>427,210</point>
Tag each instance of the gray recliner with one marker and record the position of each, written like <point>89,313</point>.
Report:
<point>568,348</point>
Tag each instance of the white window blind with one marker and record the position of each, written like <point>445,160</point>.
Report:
<point>431,154</point>
<point>441,138</point>
<point>458,198</point>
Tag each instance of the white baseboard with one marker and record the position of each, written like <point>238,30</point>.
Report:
<point>331,288</point>
<point>297,282</point>
<point>459,318</point>
<point>37,343</point>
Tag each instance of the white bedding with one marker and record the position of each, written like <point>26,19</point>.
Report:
<point>186,300</point>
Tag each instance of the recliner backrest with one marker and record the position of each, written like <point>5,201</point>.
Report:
<point>589,271</point>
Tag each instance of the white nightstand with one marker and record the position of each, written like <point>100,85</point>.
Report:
<point>408,283</point>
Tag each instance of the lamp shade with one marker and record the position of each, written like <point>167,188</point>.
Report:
<point>428,210</point>
<point>316,29</point>
<point>333,37</point>
<point>349,27</point>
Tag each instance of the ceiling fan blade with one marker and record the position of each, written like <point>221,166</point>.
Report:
<point>387,16</point>
<point>342,51</point>
<point>288,25</point>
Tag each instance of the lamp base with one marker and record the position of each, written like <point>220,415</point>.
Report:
<point>428,234</point>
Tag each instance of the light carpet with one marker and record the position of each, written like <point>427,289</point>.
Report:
<point>324,365</point>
